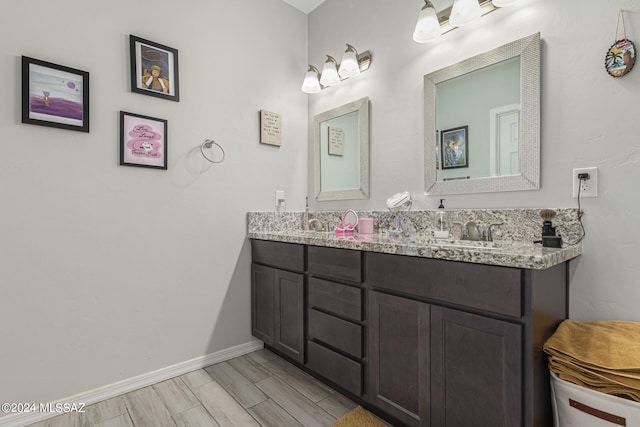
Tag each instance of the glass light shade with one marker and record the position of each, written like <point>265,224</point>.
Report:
<point>427,27</point>
<point>329,76</point>
<point>464,12</point>
<point>503,3</point>
<point>349,66</point>
<point>311,83</point>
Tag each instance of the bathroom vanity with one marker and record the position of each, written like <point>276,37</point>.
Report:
<point>424,334</point>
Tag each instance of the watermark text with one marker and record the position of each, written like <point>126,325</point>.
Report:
<point>50,408</point>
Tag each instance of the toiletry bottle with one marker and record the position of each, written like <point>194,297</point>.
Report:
<point>305,221</point>
<point>442,224</point>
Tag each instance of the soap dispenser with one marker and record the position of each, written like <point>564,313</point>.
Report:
<point>442,223</point>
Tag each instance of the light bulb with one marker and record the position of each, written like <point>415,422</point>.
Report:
<point>464,12</point>
<point>427,27</point>
<point>349,66</point>
<point>329,76</point>
<point>311,83</point>
<point>503,3</point>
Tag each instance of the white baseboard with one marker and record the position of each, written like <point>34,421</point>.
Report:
<point>134,383</point>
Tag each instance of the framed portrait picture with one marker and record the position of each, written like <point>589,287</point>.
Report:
<point>143,141</point>
<point>54,95</point>
<point>154,69</point>
<point>454,147</point>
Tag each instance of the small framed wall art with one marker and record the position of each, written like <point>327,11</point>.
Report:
<point>455,147</point>
<point>143,141</point>
<point>154,69</point>
<point>54,95</point>
<point>270,128</point>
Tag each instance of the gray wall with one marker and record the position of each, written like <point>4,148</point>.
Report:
<point>588,119</point>
<point>106,271</point>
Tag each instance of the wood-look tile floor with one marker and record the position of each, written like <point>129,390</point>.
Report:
<point>257,389</point>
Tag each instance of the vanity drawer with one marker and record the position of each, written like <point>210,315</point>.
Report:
<point>335,263</point>
<point>287,256</point>
<point>485,287</point>
<point>338,333</point>
<point>340,299</point>
<point>333,366</point>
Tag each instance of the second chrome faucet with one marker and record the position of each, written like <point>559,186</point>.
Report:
<point>471,231</point>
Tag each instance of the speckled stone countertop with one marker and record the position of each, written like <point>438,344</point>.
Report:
<point>508,249</point>
<point>505,253</point>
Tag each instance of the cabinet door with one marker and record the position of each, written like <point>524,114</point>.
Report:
<point>263,303</point>
<point>476,371</point>
<point>289,319</point>
<point>398,381</point>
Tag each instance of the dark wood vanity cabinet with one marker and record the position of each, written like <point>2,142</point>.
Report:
<point>459,344</point>
<point>277,296</point>
<point>399,357</point>
<point>433,366</point>
<point>476,370</point>
<point>425,342</point>
<point>335,331</point>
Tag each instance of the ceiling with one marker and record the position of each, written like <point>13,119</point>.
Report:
<point>304,5</point>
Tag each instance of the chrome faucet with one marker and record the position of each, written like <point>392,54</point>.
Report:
<point>471,231</point>
<point>488,235</point>
<point>316,225</point>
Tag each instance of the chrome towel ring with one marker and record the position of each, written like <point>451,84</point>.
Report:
<point>208,144</point>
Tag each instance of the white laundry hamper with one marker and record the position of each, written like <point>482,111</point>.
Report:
<point>577,406</point>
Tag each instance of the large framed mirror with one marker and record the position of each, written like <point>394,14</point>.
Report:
<point>482,122</point>
<point>341,152</point>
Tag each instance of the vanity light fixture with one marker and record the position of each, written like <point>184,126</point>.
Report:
<point>353,63</point>
<point>432,24</point>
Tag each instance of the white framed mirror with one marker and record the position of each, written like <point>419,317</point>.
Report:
<point>482,122</point>
<point>341,152</point>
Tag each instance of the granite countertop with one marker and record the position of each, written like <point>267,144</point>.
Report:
<point>508,253</point>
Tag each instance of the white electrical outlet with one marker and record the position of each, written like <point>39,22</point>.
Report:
<point>280,200</point>
<point>587,187</point>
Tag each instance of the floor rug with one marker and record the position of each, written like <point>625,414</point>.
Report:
<point>359,417</point>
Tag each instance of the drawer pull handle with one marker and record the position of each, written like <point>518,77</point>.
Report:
<point>621,421</point>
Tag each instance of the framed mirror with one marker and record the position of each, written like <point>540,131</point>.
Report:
<point>482,122</point>
<point>341,152</point>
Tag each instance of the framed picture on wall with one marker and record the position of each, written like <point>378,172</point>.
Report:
<point>143,141</point>
<point>154,69</point>
<point>454,147</point>
<point>54,95</point>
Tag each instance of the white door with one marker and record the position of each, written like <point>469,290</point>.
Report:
<point>504,131</point>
